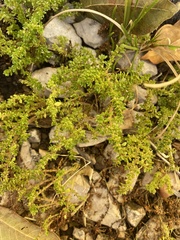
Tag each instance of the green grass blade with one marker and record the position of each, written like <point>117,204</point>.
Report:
<point>127,12</point>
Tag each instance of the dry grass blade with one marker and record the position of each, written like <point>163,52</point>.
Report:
<point>162,156</point>
<point>171,119</point>
<point>89,11</point>
<point>164,84</point>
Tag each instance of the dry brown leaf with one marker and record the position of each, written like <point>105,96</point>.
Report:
<point>13,226</point>
<point>167,45</point>
<point>167,34</point>
<point>163,10</point>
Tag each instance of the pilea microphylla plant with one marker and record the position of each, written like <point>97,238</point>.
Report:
<point>94,81</point>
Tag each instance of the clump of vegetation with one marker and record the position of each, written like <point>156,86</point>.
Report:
<point>21,34</point>
<point>95,86</point>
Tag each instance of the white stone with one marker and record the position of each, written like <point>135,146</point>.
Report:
<point>140,96</point>
<point>101,237</point>
<point>28,155</point>
<point>8,199</point>
<point>149,68</point>
<point>135,213</point>
<point>151,230</point>
<point>129,58</point>
<point>57,28</point>
<point>78,234</point>
<point>43,75</point>
<point>125,61</point>
<point>103,209</point>
<point>35,136</point>
<point>110,153</point>
<point>76,184</point>
<point>89,236</point>
<point>88,30</point>
<point>55,136</point>
<point>91,140</point>
<point>115,177</point>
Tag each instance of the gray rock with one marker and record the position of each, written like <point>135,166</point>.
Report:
<point>69,19</point>
<point>8,199</point>
<point>55,136</point>
<point>88,30</point>
<point>91,50</point>
<point>126,60</point>
<point>91,140</point>
<point>76,184</point>
<point>148,177</point>
<point>129,58</point>
<point>35,136</point>
<point>130,117</point>
<point>110,153</point>
<point>135,213</point>
<point>151,230</point>
<point>103,209</point>
<point>57,28</point>
<point>140,97</point>
<point>96,177</point>
<point>79,234</point>
<point>89,236</point>
<point>141,94</point>
<point>116,176</point>
<point>78,189</point>
<point>28,155</point>
<point>121,233</point>
<point>149,68</point>
<point>43,75</point>
<point>102,237</point>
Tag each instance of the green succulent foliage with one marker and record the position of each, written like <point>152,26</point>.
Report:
<point>93,85</point>
<point>21,37</point>
<point>88,93</point>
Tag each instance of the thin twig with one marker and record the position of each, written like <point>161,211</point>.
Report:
<point>162,156</point>
<point>161,85</point>
<point>89,11</point>
<point>159,154</point>
<point>171,119</point>
<point>165,84</point>
<point>76,173</point>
